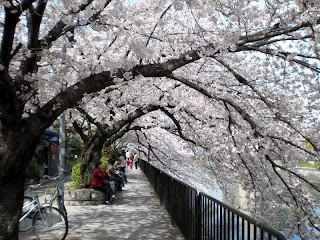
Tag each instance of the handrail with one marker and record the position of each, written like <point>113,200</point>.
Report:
<point>200,216</point>
<point>247,218</point>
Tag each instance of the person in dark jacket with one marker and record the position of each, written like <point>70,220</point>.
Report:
<point>115,176</point>
<point>101,183</point>
<point>120,166</point>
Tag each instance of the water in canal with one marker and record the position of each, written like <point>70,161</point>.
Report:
<point>236,198</point>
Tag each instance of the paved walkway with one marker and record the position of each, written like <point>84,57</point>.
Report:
<point>136,214</point>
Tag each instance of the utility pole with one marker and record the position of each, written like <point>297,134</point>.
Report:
<point>62,146</point>
<point>62,142</point>
<point>62,132</point>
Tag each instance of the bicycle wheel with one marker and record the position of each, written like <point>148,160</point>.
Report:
<point>62,207</point>
<point>25,223</point>
<point>49,223</point>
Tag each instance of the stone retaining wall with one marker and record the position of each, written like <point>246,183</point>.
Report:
<point>79,197</point>
<point>84,196</point>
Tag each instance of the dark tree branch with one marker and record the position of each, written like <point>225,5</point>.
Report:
<point>292,144</point>
<point>154,28</point>
<point>91,120</point>
<point>270,33</point>
<point>15,51</point>
<point>34,18</point>
<point>274,165</point>
<point>252,177</point>
<point>242,80</point>
<point>284,55</point>
<point>61,28</point>
<point>176,122</point>
<point>79,130</point>
<point>240,110</point>
<point>12,15</point>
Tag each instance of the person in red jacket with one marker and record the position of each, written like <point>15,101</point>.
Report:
<point>100,182</point>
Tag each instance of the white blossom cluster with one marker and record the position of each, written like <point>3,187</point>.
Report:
<point>237,85</point>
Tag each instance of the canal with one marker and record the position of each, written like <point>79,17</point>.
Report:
<point>281,218</point>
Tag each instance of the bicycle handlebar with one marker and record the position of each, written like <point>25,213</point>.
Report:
<point>34,186</point>
<point>44,177</point>
<point>54,177</point>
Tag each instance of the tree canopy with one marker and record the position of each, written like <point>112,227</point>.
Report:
<point>237,84</point>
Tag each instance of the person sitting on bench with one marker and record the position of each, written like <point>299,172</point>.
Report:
<point>114,176</point>
<point>100,182</point>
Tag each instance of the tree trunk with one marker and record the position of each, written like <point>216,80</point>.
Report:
<point>12,189</point>
<point>11,204</point>
<point>90,156</point>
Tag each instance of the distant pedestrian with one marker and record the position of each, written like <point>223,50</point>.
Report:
<point>135,160</point>
<point>127,154</point>
<point>131,160</point>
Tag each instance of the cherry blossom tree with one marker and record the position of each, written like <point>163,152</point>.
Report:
<point>103,136</point>
<point>243,77</point>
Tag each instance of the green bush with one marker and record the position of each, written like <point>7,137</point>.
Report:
<point>105,161</point>
<point>302,163</point>
<point>75,174</point>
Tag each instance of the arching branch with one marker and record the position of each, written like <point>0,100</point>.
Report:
<point>252,177</point>
<point>61,28</point>
<point>275,165</point>
<point>270,33</point>
<point>34,18</point>
<point>284,55</point>
<point>79,130</point>
<point>154,28</point>
<point>278,115</point>
<point>91,120</point>
<point>205,92</point>
<point>176,122</point>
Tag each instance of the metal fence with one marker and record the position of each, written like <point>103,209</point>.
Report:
<point>200,216</point>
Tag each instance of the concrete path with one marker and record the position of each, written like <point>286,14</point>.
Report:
<point>136,214</point>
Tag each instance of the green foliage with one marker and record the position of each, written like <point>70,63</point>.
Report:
<point>106,156</point>
<point>194,159</point>
<point>74,145</point>
<point>75,175</point>
<point>307,164</point>
<point>72,185</point>
<point>105,161</point>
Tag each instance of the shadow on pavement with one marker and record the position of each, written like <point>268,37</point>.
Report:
<point>136,214</point>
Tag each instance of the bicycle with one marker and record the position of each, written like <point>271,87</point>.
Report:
<point>47,221</point>
<point>56,195</point>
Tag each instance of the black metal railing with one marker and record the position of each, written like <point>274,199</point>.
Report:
<point>200,216</point>
<point>3,231</point>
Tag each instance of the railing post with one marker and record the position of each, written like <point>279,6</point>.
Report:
<point>198,217</point>
<point>3,232</point>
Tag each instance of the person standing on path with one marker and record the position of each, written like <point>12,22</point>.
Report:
<point>135,160</point>
<point>100,182</point>
<point>131,160</point>
<point>128,154</point>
